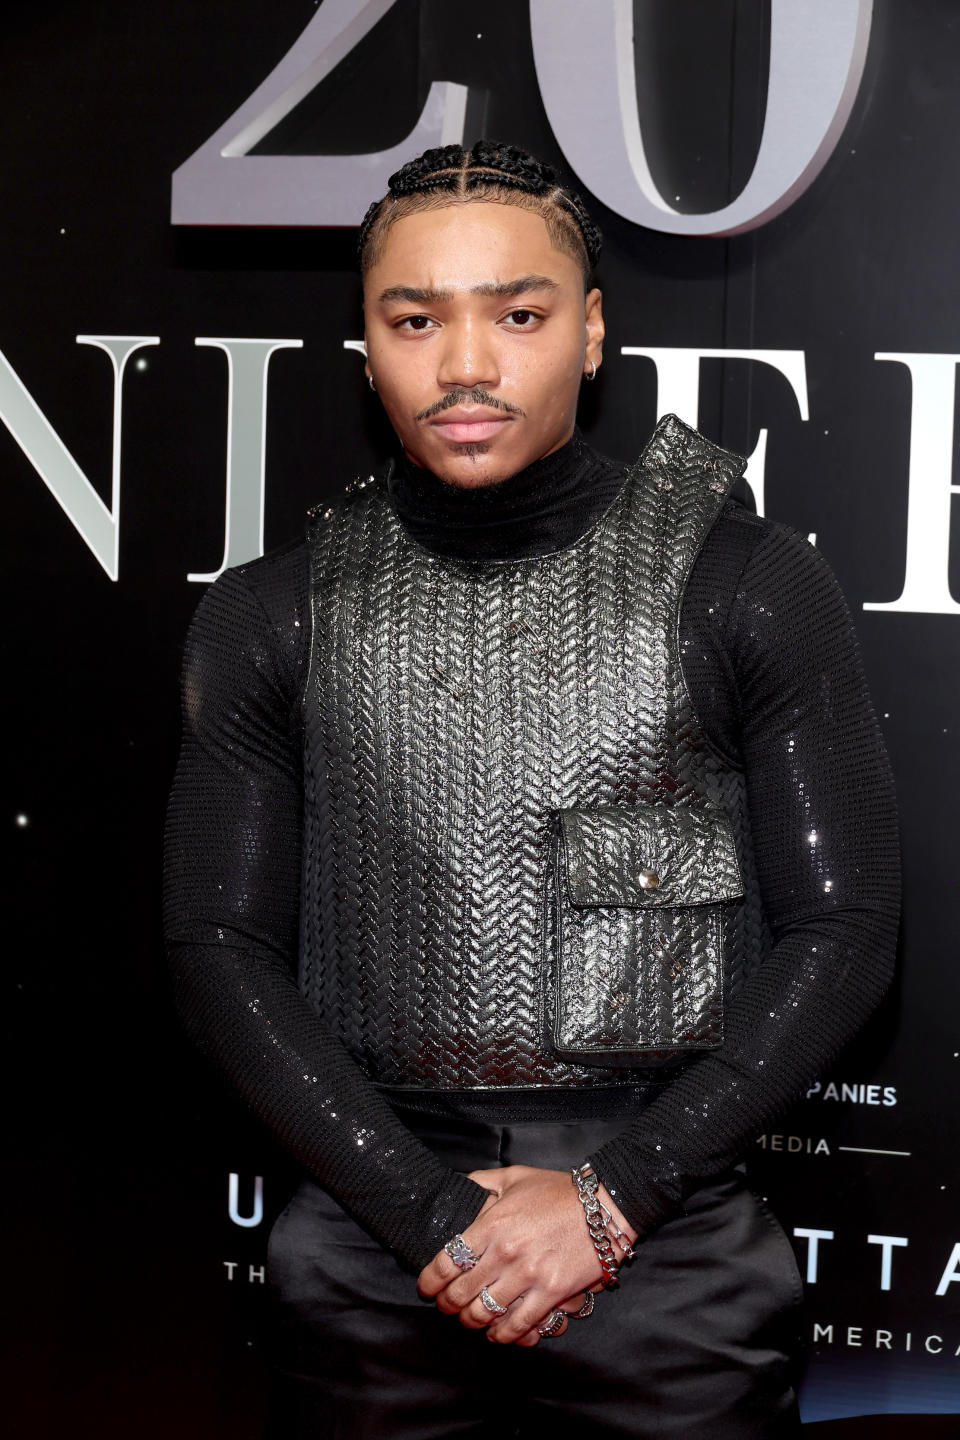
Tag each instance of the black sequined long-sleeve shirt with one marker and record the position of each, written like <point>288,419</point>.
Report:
<point>771,661</point>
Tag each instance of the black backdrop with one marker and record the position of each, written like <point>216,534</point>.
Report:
<point>137,1296</point>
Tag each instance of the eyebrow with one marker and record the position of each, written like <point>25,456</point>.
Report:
<point>495,290</point>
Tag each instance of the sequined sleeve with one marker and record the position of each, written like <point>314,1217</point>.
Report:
<point>792,698</point>
<point>231,900</point>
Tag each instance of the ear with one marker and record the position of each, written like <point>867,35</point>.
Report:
<point>593,322</point>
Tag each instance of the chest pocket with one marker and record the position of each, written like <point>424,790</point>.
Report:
<point>638,901</point>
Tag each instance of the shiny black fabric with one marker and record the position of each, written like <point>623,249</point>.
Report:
<point>771,660</point>
<point>698,1343</point>
<point>453,709</point>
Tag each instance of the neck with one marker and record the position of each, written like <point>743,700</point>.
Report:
<point>546,506</point>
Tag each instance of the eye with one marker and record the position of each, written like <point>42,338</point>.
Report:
<point>414,322</point>
<point>522,318</point>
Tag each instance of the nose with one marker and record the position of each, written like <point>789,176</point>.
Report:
<point>467,356</point>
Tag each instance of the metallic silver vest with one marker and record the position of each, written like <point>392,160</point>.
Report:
<point>453,709</point>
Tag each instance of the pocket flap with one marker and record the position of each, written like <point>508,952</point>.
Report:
<point>649,855</point>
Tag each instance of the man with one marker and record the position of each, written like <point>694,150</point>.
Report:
<point>532,845</point>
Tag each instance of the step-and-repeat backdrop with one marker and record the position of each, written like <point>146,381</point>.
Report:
<point>779,185</point>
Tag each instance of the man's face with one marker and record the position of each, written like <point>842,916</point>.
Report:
<point>478,335</point>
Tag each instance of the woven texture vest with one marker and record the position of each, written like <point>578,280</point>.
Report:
<point>452,709</point>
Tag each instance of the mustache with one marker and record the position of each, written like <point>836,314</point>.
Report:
<point>462,396</point>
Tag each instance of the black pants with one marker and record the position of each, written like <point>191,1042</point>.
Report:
<point>699,1342</point>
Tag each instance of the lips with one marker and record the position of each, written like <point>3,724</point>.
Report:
<point>463,424</point>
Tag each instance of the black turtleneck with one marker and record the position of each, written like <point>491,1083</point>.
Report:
<point>772,665</point>
<point>545,507</point>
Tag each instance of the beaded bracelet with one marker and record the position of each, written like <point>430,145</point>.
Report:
<point>598,1218</point>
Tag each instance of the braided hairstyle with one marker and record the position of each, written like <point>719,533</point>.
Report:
<point>450,175</point>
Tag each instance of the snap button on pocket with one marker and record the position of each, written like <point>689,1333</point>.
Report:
<point>648,879</point>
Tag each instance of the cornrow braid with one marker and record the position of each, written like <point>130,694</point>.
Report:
<point>514,161</point>
<point>449,174</point>
<point>432,164</point>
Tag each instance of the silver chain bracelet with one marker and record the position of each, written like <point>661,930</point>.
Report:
<point>598,1218</point>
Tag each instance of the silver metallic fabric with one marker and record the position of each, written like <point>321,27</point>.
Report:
<point>454,711</point>
<point>636,929</point>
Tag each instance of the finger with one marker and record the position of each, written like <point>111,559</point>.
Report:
<point>466,1285</point>
<point>476,1316</point>
<point>526,1315</point>
<point>462,1291</point>
<point>574,1302</point>
<point>531,1338</point>
<point>488,1179</point>
<point>437,1274</point>
<point>442,1270</point>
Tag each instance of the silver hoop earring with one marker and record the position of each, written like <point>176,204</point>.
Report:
<point>593,372</point>
<point>371,384</point>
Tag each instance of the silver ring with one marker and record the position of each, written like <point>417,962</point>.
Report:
<point>488,1303</point>
<point>586,1309</point>
<point>460,1253</point>
<point>553,1324</point>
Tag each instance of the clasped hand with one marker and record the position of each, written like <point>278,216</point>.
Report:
<point>536,1255</point>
